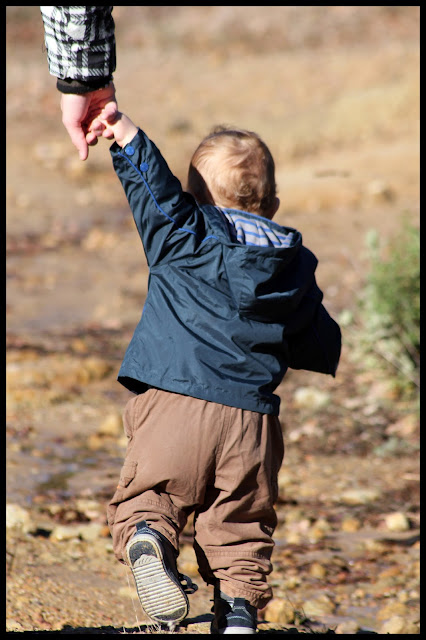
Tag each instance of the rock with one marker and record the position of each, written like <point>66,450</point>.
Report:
<point>92,509</point>
<point>112,425</point>
<point>392,609</point>
<point>18,518</point>
<point>317,570</point>
<point>13,625</point>
<point>90,532</point>
<point>389,573</point>
<point>403,596</point>
<point>320,606</point>
<point>319,530</point>
<point>279,610</point>
<point>93,369</point>
<point>95,442</point>
<point>65,532</point>
<point>198,627</point>
<point>79,345</point>
<point>359,496</point>
<point>395,625</point>
<point>374,546</point>
<point>311,398</point>
<point>348,627</point>
<point>292,582</point>
<point>350,524</point>
<point>397,522</point>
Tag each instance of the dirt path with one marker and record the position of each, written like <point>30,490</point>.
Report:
<point>334,92</point>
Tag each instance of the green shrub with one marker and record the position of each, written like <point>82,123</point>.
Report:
<point>390,302</point>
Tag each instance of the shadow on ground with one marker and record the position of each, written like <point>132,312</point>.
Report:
<point>198,625</point>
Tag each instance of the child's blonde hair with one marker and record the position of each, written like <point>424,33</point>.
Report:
<point>233,168</point>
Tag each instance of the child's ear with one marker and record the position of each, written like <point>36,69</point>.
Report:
<point>275,207</point>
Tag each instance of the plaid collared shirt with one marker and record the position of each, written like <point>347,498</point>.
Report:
<point>80,42</point>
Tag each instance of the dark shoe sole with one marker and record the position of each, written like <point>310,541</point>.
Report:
<point>161,596</point>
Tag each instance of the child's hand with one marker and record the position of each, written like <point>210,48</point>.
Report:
<point>114,124</point>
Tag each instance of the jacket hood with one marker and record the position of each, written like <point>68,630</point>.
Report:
<point>269,270</point>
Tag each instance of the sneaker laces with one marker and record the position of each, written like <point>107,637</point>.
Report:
<point>187,585</point>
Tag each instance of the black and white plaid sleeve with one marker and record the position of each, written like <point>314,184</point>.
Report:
<point>80,43</point>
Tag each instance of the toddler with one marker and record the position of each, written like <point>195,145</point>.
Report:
<point>232,303</point>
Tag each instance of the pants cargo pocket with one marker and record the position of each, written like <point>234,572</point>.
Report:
<point>128,472</point>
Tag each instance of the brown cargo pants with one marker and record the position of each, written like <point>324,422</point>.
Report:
<point>188,455</point>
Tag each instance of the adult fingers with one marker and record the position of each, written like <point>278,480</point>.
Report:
<point>78,138</point>
<point>74,110</point>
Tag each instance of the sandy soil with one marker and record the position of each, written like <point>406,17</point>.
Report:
<point>334,91</point>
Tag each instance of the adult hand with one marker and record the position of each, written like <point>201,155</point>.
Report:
<point>80,111</point>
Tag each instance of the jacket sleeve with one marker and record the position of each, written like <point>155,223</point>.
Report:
<point>317,347</point>
<point>313,339</point>
<point>168,219</point>
<point>80,44</point>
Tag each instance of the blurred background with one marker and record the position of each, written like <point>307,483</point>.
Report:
<point>334,92</point>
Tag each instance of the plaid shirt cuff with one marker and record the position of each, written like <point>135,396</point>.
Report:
<point>80,43</point>
<point>67,85</point>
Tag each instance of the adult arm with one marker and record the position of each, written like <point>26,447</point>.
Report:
<point>80,44</point>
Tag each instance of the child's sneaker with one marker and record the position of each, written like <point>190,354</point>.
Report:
<point>233,615</point>
<point>152,560</point>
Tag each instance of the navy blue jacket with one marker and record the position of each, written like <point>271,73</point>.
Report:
<point>232,298</point>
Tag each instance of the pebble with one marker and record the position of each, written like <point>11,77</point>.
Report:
<point>392,609</point>
<point>350,524</point>
<point>359,496</point>
<point>112,425</point>
<point>90,532</point>
<point>13,625</point>
<point>279,610</point>
<point>348,627</point>
<point>65,532</point>
<point>18,518</point>
<point>322,605</point>
<point>92,509</point>
<point>317,570</point>
<point>397,522</point>
<point>93,369</point>
<point>374,546</point>
<point>320,526</point>
<point>292,582</point>
<point>395,625</point>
